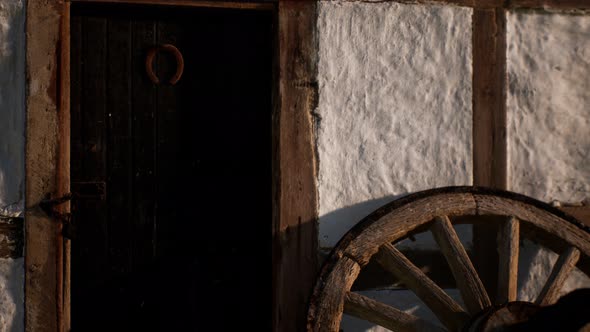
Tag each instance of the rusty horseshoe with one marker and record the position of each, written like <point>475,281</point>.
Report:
<point>149,63</point>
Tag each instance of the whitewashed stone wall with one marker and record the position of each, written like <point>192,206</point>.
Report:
<point>548,61</point>
<point>549,105</point>
<point>395,106</point>
<point>12,146</point>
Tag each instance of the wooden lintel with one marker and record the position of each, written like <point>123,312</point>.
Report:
<point>460,3</point>
<point>549,4</point>
<point>490,4</point>
<point>263,5</point>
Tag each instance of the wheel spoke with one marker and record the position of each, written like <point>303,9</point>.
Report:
<point>378,313</point>
<point>472,290</point>
<point>444,307</point>
<point>561,270</point>
<point>508,241</point>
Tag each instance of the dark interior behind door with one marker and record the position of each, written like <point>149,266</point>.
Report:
<point>172,218</point>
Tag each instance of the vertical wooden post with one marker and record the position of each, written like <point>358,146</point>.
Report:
<point>44,162</point>
<point>295,225</point>
<point>489,127</point>
<point>63,171</point>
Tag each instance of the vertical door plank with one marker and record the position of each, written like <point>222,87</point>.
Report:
<point>76,132</point>
<point>120,151</point>
<point>88,134</point>
<point>177,221</point>
<point>94,237</point>
<point>169,144</point>
<point>143,95</point>
<point>143,136</point>
<point>77,142</point>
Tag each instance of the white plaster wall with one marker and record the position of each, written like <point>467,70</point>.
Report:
<point>12,146</point>
<point>11,295</point>
<point>394,106</point>
<point>548,61</point>
<point>549,105</point>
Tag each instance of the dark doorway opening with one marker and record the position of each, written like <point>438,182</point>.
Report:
<point>172,213</point>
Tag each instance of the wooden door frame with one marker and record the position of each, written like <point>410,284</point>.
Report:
<point>294,234</point>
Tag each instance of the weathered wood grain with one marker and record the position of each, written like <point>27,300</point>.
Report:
<point>330,296</point>
<point>549,4</point>
<point>41,151</point>
<point>260,5</point>
<point>63,172</point>
<point>551,242</point>
<point>368,309</point>
<point>489,98</point>
<point>563,267</point>
<point>491,4</point>
<point>461,3</point>
<point>382,227</point>
<point>295,232</point>
<point>430,261</point>
<point>489,127</point>
<point>539,215</point>
<point>508,242</point>
<point>444,307</point>
<point>582,213</point>
<point>472,290</point>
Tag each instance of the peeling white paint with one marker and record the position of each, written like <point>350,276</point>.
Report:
<point>395,106</point>
<point>12,146</point>
<point>549,105</point>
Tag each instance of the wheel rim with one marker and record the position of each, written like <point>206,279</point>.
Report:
<point>430,210</point>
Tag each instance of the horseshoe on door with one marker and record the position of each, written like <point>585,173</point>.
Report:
<point>149,63</point>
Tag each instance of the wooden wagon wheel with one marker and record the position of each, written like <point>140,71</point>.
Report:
<point>432,210</point>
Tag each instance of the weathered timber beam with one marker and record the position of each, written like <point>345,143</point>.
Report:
<point>260,5</point>
<point>490,4</point>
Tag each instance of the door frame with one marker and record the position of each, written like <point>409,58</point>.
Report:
<point>294,98</point>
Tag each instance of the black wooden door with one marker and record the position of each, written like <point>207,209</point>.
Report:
<point>172,218</point>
